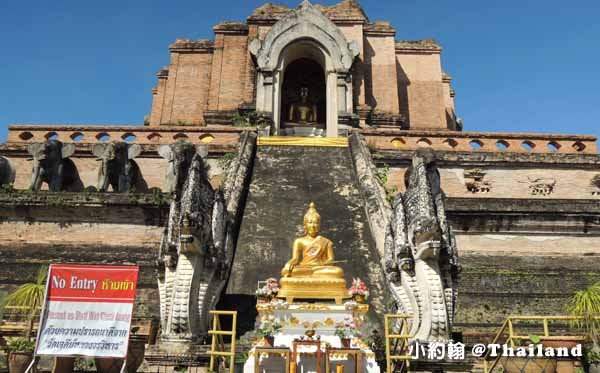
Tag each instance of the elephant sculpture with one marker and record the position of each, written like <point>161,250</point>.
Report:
<point>420,256</point>
<point>118,169</point>
<point>51,165</point>
<point>7,172</point>
<point>180,156</point>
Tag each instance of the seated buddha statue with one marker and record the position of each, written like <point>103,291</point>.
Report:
<point>309,274</point>
<point>303,112</point>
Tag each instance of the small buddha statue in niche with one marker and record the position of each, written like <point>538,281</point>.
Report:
<point>309,274</point>
<point>303,111</point>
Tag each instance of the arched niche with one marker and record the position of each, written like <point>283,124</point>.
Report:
<point>304,33</point>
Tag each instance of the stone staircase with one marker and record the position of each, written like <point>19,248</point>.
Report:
<point>285,180</point>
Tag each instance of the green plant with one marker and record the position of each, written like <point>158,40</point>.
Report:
<point>535,339</point>
<point>19,344</point>
<point>240,120</point>
<point>158,198</point>
<point>55,202</point>
<point>226,160</point>
<point>250,119</point>
<point>382,173</point>
<point>83,364</point>
<point>7,188</point>
<point>390,194</point>
<point>28,298</point>
<point>586,304</point>
<point>133,198</point>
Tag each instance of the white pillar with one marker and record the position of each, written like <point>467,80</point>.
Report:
<point>332,105</point>
<point>276,99</point>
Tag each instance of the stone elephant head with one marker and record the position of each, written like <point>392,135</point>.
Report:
<point>7,172</point>
<point>51,165</point>
<point>179,155</point>
<point>118,169</point>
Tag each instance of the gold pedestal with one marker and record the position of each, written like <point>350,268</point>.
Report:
<point>312,288</point>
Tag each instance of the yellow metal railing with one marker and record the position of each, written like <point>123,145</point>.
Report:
<point>512,337</point>
<point>217,346</point>
<point>398,335</point>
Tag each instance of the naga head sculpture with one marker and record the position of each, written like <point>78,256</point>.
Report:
<point>422,188</point>
<point>421,259</point>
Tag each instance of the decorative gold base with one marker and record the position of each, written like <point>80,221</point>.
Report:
<point>340,142</point>
<point>312,288</point>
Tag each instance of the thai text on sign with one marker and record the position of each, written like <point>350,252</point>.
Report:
<point>88,310</point>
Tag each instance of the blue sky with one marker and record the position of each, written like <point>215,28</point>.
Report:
<point>518,66</point>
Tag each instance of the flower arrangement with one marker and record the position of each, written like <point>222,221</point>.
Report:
<point>359,290</point>
<point>269,290</point>
<point>268,326</point>
<point>347,329</point>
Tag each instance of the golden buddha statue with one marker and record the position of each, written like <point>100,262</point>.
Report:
<point>303,112</point>
<point>309,274</point>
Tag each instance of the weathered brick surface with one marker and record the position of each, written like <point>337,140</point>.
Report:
<point>382,83</point>
<point>187,89</point>
<point>249,94</point>
<point>355,32</point>
<point>73,228</point>
<point>468,144</point>
<point>158,99</point>
<point>228,68</point>
<point>449,101</point>
<point>495,286</point>
<point>420,87</point>
<point>394,77</point>
<point>512,182</point>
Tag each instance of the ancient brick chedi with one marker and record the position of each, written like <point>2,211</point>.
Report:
<point>312,103</point>
<point>364,70</point>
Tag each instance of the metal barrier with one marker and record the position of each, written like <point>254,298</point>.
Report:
<point>217,346</point>
<point>512,337</point>
<point>398,351</point>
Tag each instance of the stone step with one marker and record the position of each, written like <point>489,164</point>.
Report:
<point>285,180</point>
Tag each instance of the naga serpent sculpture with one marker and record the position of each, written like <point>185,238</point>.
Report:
<point>420,255</point>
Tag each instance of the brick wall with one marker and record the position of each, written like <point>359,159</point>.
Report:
<point>420,89</point>
<point>382,85</point>
<point>158,99</point>
<point>355,33</point>
<point>228,72</point>
<point>191,89</point>
<point>512,182</point>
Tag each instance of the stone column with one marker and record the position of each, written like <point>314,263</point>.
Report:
<point>341,93</point>
<point>276,108</point>
<point>264,93</point>
<point>344,90</point>
<point>332,104</point>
